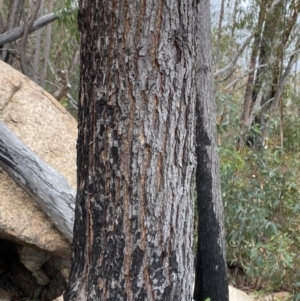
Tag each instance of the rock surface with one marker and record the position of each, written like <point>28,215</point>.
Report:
<point>4,296</point>
<point>51,132</point>
<point>33,261</point>
<point>238,295</point>
<point>27,237</point>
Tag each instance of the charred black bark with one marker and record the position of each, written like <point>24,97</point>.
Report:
<point>134,217</point>
<point>211,273</point>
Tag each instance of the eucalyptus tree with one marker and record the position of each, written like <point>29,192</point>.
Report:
<point>258,108</point>
<point>274,54</point>
<point>262,63</point>
<point>143,65</point>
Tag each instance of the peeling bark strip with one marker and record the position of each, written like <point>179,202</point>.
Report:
<point>211,274</point>
<point>134,207</point>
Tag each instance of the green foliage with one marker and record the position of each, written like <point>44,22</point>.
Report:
<point>68,11</point>
<point>228,117</point>
<point>64,45</point>
<point>261,199</point>
<point>260,185</point>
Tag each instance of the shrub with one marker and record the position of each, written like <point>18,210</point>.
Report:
<point>261,200</point>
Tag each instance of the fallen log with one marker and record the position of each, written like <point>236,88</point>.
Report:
<point>48,187</point>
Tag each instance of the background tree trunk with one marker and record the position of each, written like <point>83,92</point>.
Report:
<point>15,10</point>
<point>211,268</point>
<point>34,9</point>
<point>248,101</point>
<point>219,35</point>
<point>47,46</point>
<point>37,48</point>
<point>134,205</point>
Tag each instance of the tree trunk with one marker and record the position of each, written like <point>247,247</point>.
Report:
<point>37,48</point>
<point>219,35</point>
<point>15,9</point>
<point>272,38</point>
<point>34,9</point>
<point>249,101</point>
<point>47,45</point>
<point>49,188</point>
<point>211,269</point>
<point>134,206</point>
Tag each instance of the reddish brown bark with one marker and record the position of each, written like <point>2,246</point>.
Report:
<point>134,213</point>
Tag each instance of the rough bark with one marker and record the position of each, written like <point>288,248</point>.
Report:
<point>211,272</point>
<point>48,187</point>
<point>134,205</point>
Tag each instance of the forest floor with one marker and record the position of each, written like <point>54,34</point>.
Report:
<point>245,294</point>
<point>9,292</point>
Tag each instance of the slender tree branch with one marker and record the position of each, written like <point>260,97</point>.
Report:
<point>17,32</point>
<point>243,75</point>
<point>282,82</point>
<point>72,101</point>
<point>275,2</point>
<point>231,65</point>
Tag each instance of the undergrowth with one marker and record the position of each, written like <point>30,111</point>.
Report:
<point>261,200</point>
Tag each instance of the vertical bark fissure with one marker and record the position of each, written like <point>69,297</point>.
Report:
<point>91,178</point>
<point>143,243</point>
<point>127,156</point>
<point>136,249</point>
<point>126,25</point>
<point>141,17</point>
<point>156,34</point>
